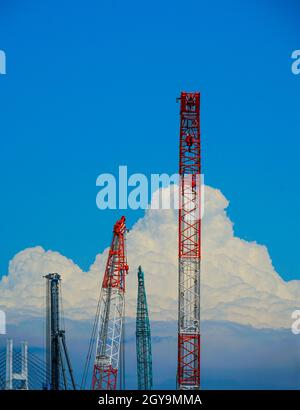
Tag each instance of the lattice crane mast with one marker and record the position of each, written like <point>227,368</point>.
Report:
<point>111,313</point>
<point>188,371</point>
<point>143,337</point>
<point>57,356</point>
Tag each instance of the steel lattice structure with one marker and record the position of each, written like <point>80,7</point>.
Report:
<point>143,337</point>
<point>188,372</point>
<point>110,320</point>
<point>57,356</point>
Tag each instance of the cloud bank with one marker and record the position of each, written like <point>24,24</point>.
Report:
<point>238,282</point>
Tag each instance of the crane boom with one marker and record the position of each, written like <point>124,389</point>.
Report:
<point>143,337</point>
<point>188,371</point>
<point>110,320</point>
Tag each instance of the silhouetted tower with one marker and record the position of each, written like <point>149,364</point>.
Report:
<point>188,372</point>
<point>110,315</point>
<point>57,357</point>
<point>143,337</point>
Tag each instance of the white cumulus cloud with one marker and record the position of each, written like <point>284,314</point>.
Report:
<point>238,281</point>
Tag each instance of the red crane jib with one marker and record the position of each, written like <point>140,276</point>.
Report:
<point>111,313</point>
<point>189,246</point>
<point>116,266</point>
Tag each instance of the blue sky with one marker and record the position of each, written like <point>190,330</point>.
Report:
<point>92,85</point>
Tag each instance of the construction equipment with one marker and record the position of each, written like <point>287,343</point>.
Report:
<point>57,357</point>
<point>110,314</point>
<point>143,337</point>
<point>188,371</point>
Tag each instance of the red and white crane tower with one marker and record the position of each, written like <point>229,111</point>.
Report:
<point>111,313</point>
<point>188,372</point>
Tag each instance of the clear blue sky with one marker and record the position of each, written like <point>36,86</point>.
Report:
<point>92,85</point>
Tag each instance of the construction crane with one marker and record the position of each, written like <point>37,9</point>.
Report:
<point>110,315</point>
<point>188,371</point>
<point>143,337</point>
<point>57,357</point>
